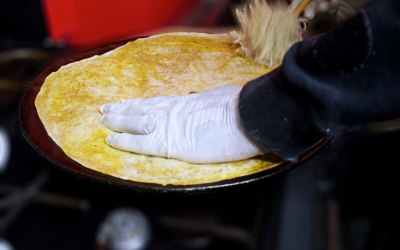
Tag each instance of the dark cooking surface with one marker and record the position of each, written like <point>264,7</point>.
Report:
<point>46,226</point>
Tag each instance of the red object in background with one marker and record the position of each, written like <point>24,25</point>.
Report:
<point>93,22</point>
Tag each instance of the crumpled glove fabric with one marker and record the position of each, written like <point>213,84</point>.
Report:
<point>199,128</point>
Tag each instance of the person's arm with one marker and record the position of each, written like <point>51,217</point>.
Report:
<point>328,85</point>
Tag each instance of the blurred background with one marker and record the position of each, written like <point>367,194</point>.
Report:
<point>344,198</point>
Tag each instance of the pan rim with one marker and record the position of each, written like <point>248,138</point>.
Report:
<point>29,120</point>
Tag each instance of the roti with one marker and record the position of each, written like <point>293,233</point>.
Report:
<point>162,65</point>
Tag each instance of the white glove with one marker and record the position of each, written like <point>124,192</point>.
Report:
<point>199,128</point>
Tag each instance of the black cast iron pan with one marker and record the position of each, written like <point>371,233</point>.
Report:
<point>36,135</point>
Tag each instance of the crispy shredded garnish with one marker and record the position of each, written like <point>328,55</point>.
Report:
<point>266,32</point>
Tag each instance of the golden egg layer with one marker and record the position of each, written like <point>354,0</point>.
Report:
<point>168,64</point>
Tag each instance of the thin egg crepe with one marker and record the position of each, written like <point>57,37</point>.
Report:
<point>162,65</point>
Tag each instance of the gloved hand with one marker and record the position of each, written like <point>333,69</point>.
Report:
<point>199,128</point>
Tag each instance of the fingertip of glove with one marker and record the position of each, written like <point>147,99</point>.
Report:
<point>109,139</point>
<point>103,108</point>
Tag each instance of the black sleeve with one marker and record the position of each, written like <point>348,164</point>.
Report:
<point>328,85</point>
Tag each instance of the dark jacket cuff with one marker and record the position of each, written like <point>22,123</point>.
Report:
<point>275,118</point>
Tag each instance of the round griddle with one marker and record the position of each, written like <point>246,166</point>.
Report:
<point>36,135</point>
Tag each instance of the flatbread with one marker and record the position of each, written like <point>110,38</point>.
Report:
<point>168,64</point>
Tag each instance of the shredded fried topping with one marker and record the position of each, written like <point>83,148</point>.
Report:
<point>266,32</point>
